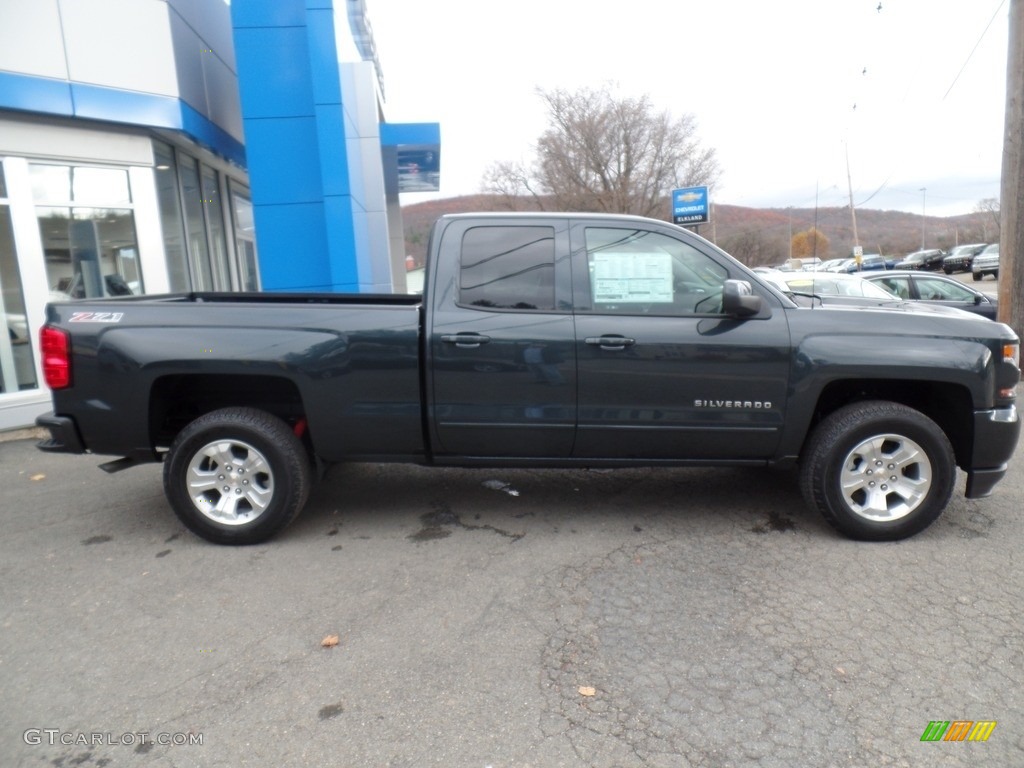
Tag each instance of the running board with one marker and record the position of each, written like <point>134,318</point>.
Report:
<point>117,465</point>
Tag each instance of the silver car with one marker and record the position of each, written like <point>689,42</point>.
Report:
<point>986,263</point>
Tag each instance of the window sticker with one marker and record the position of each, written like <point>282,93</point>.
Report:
<point>632,278</point>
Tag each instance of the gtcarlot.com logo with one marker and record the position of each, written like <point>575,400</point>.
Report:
<point>958,730</point>
<point>54,736</point>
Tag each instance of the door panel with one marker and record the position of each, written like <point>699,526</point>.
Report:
<point>501,348</point>
<point>665,376</point>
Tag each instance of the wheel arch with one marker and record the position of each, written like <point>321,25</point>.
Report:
<point>950,406</point>
<point>179,399</point>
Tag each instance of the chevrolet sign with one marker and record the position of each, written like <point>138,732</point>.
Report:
<point>690,205</point>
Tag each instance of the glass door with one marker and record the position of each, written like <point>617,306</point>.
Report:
<point>17,364</point>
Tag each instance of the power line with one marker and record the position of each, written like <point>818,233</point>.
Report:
<point>975,48</point>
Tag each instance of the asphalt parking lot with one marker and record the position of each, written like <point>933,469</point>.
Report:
<point>515,618</point>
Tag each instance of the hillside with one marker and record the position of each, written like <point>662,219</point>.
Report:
<point>759,236</point>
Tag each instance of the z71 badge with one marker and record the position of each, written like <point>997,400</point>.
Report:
<point>96,317</point>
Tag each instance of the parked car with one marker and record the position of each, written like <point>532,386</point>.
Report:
<point>839,265</point>
<point>927,259</point>
<point>829,284</point>
<point>937,289</point>
<point>960,258</point>
<point>829,265</point>
<point>986,263</point>
<point>839,290</point>
<point>870,262</point>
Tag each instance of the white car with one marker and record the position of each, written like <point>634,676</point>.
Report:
<point>829,284</point>
<point>986,263</point>
<point>841,290</point>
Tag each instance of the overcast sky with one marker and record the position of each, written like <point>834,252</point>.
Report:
<point>914,92</point>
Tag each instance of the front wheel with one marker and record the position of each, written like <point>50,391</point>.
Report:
<point>878,471</point>
<point>236,476</point>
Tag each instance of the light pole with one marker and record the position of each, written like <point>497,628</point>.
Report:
<point>923,191</point>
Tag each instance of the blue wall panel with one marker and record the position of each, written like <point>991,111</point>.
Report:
<point>273,71</point>
<point>344,266</point>
<point>46,96</point>
<point>284,162</point>
<point>37,94</point>
<point>336,173</point>
<point>299,147</point>
<point>296,236</point>
<point>284,13</point>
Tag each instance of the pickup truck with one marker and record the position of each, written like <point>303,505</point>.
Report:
<point>540,340</point>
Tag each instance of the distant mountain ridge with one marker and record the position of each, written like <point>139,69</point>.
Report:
<point>758,236</point>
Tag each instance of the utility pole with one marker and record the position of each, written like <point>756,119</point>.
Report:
<point>853,211</point>
<point>1011,242</point>
<point>923,192</point>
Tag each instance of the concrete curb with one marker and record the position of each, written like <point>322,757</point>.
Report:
<point>31,433</point>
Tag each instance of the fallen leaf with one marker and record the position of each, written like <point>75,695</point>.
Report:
<point>587,690</point>
<point>330,641</point>
<point>37,478</point>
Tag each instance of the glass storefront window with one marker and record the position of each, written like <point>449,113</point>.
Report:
<point>215,223</point>
<point>17,364</point>
<point>84,184</point>
<point>245,240</point>
<point>90,252</point>
<point>171,220</point>
<point>198,250</point>
<point>87,231</point>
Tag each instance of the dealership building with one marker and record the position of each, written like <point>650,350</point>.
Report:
<point>154,146</point>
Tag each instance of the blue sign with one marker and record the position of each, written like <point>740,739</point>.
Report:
<point>690,205</point>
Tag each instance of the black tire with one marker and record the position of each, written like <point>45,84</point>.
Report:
<point>846,450</point>
<point>978,276</point>
<point>250,476</point>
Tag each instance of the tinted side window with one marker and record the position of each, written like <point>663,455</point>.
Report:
<point>900,286</point>
<point>940,290</point>
<point>508,268</point>
<point>633,271</point>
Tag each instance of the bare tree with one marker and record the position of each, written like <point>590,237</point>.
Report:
<point>608,154</point>
<point>990,207</point>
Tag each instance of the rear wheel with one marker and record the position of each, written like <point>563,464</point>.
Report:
<point>236,476</point>
<point>878,471</point>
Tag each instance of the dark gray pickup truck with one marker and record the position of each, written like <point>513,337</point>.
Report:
<point>541,340</point>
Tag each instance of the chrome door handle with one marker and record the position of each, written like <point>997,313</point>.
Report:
<point>610,342</point>
<point>465,340</point>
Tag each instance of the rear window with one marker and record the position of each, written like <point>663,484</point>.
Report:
<point>510,268</point>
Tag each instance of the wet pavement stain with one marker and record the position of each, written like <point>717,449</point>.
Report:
<point>430,534</point>
<point>169,539</point>
<point>331,710</point>
<point>97,540</point>
<point>163,553</point>
<point>775,522</point>
<point>434,522</point>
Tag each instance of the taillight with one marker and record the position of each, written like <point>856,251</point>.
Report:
<point>56,349</point>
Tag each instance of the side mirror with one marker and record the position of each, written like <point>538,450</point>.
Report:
<point>978,299</point>
<point>739,299</point>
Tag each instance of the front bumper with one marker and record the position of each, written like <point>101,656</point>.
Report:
<point>64,437</point>
<point>996,432</point>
